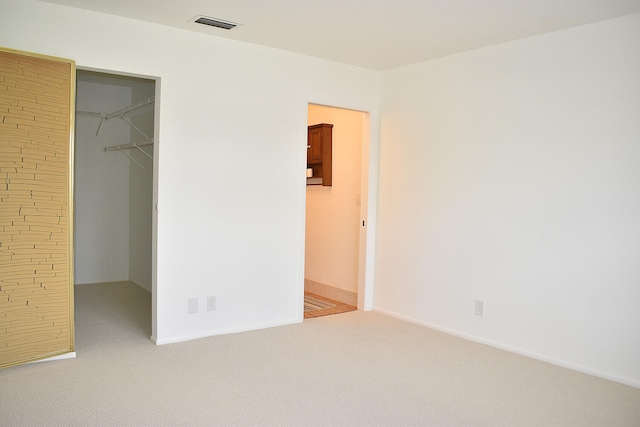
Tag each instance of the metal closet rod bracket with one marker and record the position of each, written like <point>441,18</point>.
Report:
<point>121,114</point>
<point>130,146</point>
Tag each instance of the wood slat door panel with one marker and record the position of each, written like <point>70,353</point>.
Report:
<point>37,98</point>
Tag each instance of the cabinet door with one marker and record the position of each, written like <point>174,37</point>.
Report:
<point>36,255</point>
<point>314,146</point>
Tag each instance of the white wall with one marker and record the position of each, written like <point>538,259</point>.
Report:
<point>333,217</point>
<point>510,174</point>
<point>229,156</point>
<point>141,192</point>
<point>101,187</point>
<point>113,199</point>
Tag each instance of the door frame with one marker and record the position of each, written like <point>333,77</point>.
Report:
<point>156,151</point>
<point>368,209</point>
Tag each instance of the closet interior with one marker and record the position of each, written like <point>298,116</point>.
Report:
<point>113,171</point>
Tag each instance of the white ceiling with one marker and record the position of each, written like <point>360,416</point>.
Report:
<point>374,34</point>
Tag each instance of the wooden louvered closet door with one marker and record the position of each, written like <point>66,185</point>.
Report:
<point>37,98</point>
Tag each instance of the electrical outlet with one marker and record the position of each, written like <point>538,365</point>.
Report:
<point>193,305</point>
<point>479,308</point>
<point>211,303</point>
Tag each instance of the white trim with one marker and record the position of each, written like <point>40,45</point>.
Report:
<point>331,292</point>
<point>70,355</point>
<point>302,219</point>
<point>221,332</point>
<point>139,285</point>
<point>371,155</point>
<point>516,350</point>
<point>156,167</point>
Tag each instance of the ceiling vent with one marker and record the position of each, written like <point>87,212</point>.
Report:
<point>213,22</point>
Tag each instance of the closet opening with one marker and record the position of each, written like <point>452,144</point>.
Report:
<point>336,210</point>
<point>115,176</point>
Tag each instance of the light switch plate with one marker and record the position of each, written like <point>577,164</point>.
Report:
<point>211,303</point>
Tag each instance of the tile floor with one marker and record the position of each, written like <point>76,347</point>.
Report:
<point>339,307</point>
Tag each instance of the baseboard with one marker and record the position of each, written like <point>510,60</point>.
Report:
<point>70,355</point>
<point>117,281</point>
<point>191,337</point>
<point>139,285</point>
<point>516,350</point>
<point>98,283</point>
<point>331,292</point>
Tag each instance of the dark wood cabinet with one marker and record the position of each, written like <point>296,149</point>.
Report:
<point>314,144</point>
<point>319,152</point>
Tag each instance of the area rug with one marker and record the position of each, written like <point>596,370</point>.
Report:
<point>311,303</point>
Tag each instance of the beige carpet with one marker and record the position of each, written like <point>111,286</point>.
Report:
<point>352,369</point>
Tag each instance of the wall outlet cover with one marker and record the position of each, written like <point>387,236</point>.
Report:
<point>193,305</point>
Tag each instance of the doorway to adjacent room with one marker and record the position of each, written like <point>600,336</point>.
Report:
<point>336,214</point>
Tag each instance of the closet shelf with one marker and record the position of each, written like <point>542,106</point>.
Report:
<point>142,107</point>
<point>134,110</point>
<point>124,114</point>
<point>131,146</point>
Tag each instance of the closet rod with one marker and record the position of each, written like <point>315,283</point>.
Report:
<point>129,146</point>
<point>131,108</point>
<point>90,114</point>
<point>119,113</point>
